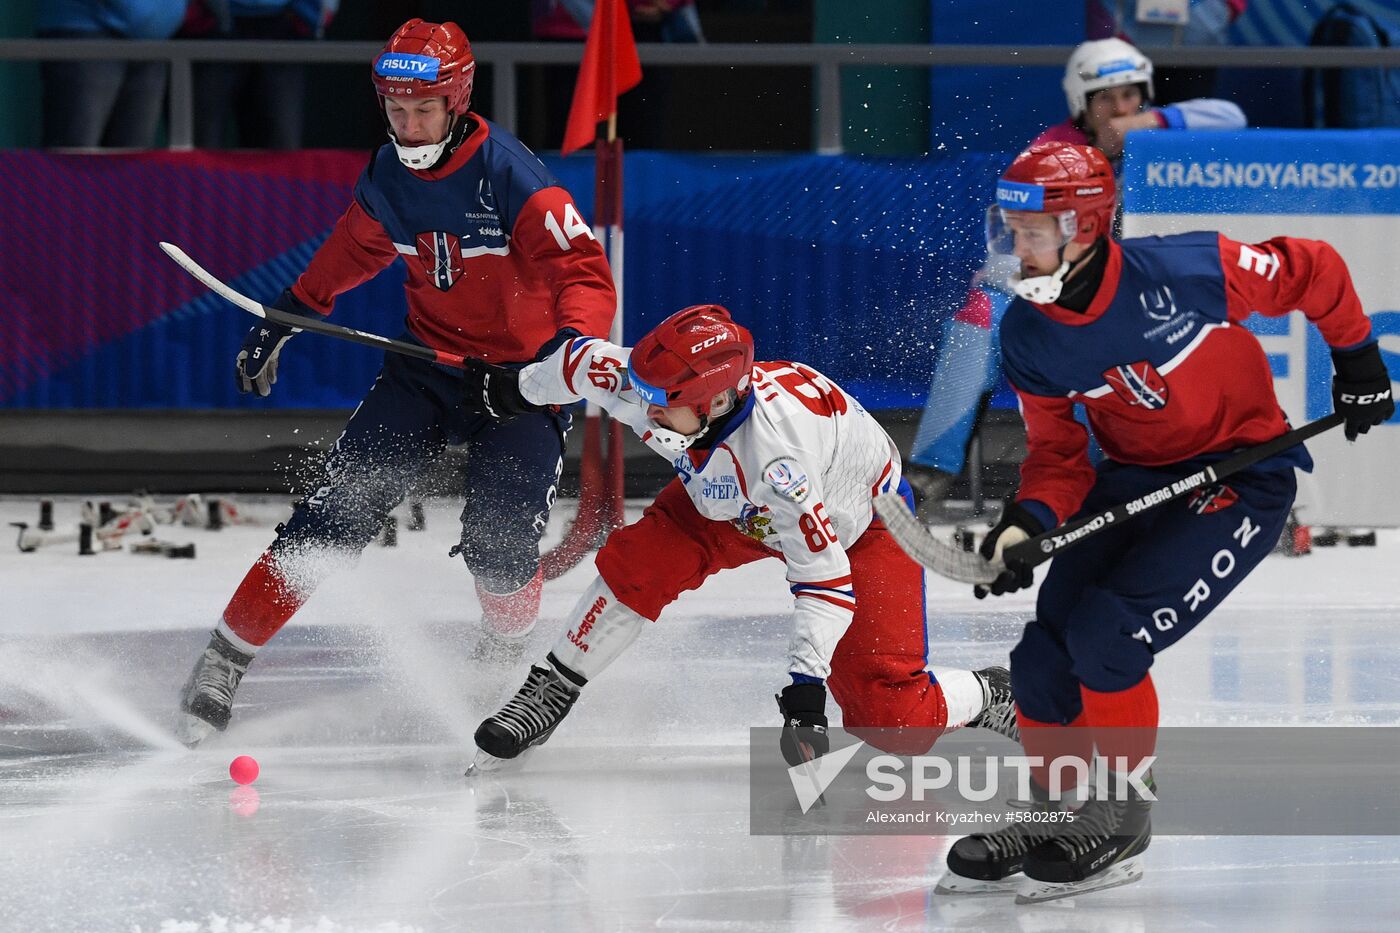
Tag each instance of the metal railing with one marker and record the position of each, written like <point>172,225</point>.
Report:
<point>503,57</point>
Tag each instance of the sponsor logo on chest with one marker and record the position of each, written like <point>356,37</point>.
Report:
<point>723,487</point>
<point>1167,323</point>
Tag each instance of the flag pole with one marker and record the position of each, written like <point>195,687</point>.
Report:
<point>610,66</point>
<point>608,209</point>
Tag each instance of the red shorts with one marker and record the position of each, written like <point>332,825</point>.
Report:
<point>878,674</point>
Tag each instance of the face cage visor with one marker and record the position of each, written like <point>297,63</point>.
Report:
<point>673,441</point>
<point>1002,238</point>
<point>646,391</point>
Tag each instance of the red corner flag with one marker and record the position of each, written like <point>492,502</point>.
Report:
<point>610,67</point>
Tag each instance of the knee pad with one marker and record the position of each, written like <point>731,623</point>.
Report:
<point>501,562</point>
<point>1042,678</point>
<point>329,525</point>
<point>1106,658</point>
<point>902,717</point>
<point>650,586</point>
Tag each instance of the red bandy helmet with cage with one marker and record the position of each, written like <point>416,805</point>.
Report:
<point>688,359</point>
<point>423,60</point>
<point>1072,183</point>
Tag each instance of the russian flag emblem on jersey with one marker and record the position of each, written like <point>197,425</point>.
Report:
<point>441,255</point>
<point>1138,384</point>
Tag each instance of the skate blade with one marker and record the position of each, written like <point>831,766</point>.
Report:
<point>1037,892</point>
<point>191,730</point>
<point>958,886</point>
<point>487,764</point>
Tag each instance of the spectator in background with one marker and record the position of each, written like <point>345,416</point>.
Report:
<point>1109,90</point>
<point>550,88</point>
<point>1108,86</point>
<point>104,103</point>
<point>560,20</point>
<point>652,20</point>
<point>646,113</point>
<point>1206,22</point>
<point>665,21</point>
<point>264,100</point>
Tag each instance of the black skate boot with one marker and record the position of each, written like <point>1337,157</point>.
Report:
<point>206,703</point>
<point>529,718</point>
<point>998,710</point>
<point>1100,849</point>
<point>990,863</point>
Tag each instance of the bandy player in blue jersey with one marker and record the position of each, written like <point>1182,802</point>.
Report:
<point>501,268</point>
<point>1146,335</point>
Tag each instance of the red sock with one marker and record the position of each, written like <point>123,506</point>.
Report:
<point>1051,740</point>
<point>1124,722</point>
<point>263,602</point>
<point>512,614</point>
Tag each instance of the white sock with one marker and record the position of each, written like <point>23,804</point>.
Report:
<point>243,646</point>
<point>962,692</point>
<point>600,629</point>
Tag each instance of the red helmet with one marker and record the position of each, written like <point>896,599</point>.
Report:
<point>427,60</point>
<point>1057,178</point>
<point>692,356</point>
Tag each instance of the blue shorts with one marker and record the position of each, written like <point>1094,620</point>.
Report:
<point>1111,602</point>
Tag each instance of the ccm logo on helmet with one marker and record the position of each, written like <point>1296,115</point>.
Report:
<point>709,342</point>
<point>1365,399</point>
<point>1084,192</point>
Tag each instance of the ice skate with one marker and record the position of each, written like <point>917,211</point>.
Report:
<point>529,717</point>
<point>999,709</point>
<point>990,863</point>
<point>486,765</point>
<point>1101,849</point>
<point>206,703</point>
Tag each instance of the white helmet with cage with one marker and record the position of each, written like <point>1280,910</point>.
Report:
<point>1100,64</point>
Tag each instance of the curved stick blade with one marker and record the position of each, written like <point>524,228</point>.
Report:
<point>214,285</point>
<point>916,541</point>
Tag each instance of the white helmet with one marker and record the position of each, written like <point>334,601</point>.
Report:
<point>1103,63</point>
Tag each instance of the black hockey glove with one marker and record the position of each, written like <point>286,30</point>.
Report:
<point>255,369</point>
<point>1016,525</point>
<point>803,707</point>
<point>494,391</point>
<point>1361,389</point>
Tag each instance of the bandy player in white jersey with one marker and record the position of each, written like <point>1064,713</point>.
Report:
<point>773,460</point>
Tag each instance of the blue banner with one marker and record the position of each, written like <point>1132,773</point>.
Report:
<point>1338,186</point>
<point>1263,172</point>
<point>851,265</point>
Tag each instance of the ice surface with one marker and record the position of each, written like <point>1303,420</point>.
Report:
<point>636,813</point>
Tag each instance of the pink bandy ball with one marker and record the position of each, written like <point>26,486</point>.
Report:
<point>243,769</point>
